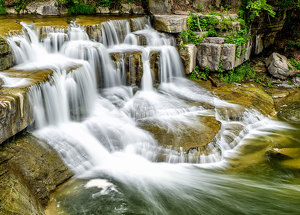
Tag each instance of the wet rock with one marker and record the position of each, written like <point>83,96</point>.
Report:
<point>188,55</point>
<point>30,171</point>
<point>185,137</point>
<point>279,67</point>
<point>6,57</point>
<point>276,154</point>
<point>290,112</point>
<point>155,65</point>
<point>249,95</point>
<point>170,23</point>
<point>259,46</point>
<point>133,67</point>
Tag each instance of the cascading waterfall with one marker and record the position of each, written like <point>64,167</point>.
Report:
<point>103,128</point>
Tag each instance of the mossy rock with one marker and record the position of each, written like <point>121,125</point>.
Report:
<point>185,137</point>
<point>250,95</point>
<point>30,170</point>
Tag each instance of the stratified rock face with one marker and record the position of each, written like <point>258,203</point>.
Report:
<point>131,8</point>
<point>209,55</point>
<point>279,67</point>
<point>43,8</point>
<point>6,58</point>
<point>188,55</point>
<point>29,171</point>
<point>160,7</point>
<point>170,23</point>
<point>213,53</point>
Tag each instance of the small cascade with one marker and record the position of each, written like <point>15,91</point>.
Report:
<point>92,111</point>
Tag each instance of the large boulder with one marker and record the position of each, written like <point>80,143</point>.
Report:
<point>29,171</point>
<point>279,67</point>
<point>188,55</point>
<point>47,8</point>
<point>170,23</point>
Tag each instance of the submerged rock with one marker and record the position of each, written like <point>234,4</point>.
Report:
<point>249,95</point>
<point>184,137</point>
<point>29,171</point>
<point>279,67</point>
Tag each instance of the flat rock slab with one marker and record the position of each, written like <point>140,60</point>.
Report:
<point>170,23</point>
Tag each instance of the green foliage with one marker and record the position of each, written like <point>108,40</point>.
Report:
<point>105,3</point>
<point>292,43</point>
<point>205,23</point>
<point>199,7</point>
<point>215,14</point>
<point>250,9</point>
<point>260,79</point>
<point>20,5</point>
<point>212,32</point>
<point>269,84</point>
<point>198,74</point>
<point>2,8</point>
<point>81,8</point>
<point>287,3</point>
<point>239,74</point>
<point>295,63</point>
<point>239,39</point>
<point>189,37</point>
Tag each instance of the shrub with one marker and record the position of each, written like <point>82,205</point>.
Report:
<point>239,74</point>
<point>295,63</point>
<point>81,8</point>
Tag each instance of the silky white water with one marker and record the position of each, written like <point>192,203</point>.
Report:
<point>88,114</point>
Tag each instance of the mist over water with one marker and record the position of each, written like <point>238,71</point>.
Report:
<point>98,123</point>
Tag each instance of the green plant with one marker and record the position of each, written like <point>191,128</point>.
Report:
<point>212,32</point>
<point>199,7</point>
<point>81,8</point>
<point>189,37</point>
<point>2,8</point>
<point>20,5</point>
<point>260,79</point>
<point>198,74</point>
<point>295,63</point>
<point>239,74</point>
<point>269,84</point>
<point>290,82</point>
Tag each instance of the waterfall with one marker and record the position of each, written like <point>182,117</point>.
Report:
<point>91,110</point>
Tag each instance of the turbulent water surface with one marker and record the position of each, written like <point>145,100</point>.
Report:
<point>100,117</point>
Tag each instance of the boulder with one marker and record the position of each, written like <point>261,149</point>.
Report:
<point>279,67</point>
<point>6,57</point>
<point>188,55</point>
<point>43,8</point>
<point>29,171</point>
<point>186,137</point>
<point>209,55</point>
<point>160,7</point>
<point>131,8</point>
<point>170,23</point>
<point>102,10</point>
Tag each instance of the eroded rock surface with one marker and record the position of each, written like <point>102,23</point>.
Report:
<point>170,23</point>
<point>29,171</point>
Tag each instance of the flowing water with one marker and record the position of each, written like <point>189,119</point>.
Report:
<point>112,129</point>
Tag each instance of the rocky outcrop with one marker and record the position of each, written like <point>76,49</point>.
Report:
<point>185,137</point>
<point>213,53</point>
<point>6,57</point>
<point>29,171</point>
<point>188,55</point>
<point>131,8</point>
<point>249,95</point>
<point>170,23</point>
<point>279,67</point>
